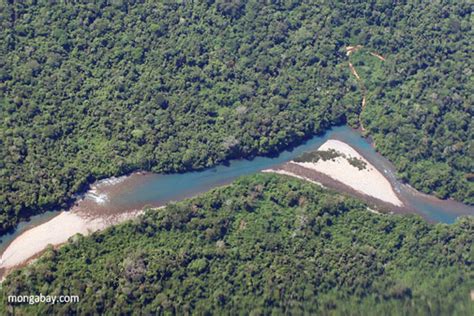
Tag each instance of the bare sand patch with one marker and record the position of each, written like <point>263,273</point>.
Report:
<point>55,232</point>
<point>368,181</point>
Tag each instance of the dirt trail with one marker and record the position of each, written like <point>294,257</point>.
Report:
<point>354,71</point>
<point>378,56</point>
<point>349,50</point>
<point>352,49</point>
<point>359,79</point>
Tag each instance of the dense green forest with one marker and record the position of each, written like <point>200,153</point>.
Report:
<point>265,244</point>
<point>101,88</point>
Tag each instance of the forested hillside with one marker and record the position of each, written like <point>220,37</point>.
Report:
<point>94,89</point>
<point>265,244</point>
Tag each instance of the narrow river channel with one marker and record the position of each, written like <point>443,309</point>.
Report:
<point>116,196</point>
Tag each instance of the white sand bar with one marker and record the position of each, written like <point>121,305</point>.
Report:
<point>54,232</point>
<point>368,181</point>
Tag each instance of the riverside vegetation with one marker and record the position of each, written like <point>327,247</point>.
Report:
<point>262,245</point>
<point>330,154</point>
<point>91,90</point>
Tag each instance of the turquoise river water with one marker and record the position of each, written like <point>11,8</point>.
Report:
<point>139,190</point>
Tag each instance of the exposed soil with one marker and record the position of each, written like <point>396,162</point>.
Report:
<point>352,49</point>
<point>376,204</point>
<point>378,56</point>
<point>349,50</point>
<point>354,71</point>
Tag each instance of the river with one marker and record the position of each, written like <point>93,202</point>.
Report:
<point>116,196</point>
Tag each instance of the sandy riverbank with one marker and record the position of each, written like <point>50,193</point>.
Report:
<point>368,181</point>
<point>55,232</point>
<point>297,171</point>
<point>292,174</point>
<point>93,211</point>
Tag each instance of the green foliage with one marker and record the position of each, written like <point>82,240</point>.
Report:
<point>330,154</point>
<point>265,244</point>
<point>358,163</point>
<point>91,90</point>
<point>314,156</point>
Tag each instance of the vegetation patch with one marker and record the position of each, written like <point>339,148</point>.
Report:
<point>314,156</point>
<point>331,154</point>
<point>357,162</point>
